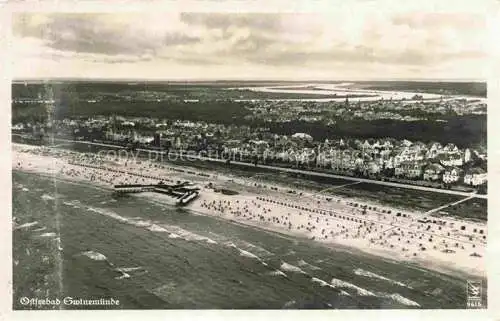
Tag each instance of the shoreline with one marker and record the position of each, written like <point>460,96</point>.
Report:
<point>252,209</point>
<point>444,269</point>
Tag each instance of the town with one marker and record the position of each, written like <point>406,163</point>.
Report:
<point>412,162</point>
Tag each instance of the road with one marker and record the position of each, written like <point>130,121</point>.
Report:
<point>449,205</point>
<point>190,156</point>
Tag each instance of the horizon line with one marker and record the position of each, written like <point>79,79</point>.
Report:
<point>25,79</point>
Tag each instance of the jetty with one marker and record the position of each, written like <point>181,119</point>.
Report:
<point>184,192</point>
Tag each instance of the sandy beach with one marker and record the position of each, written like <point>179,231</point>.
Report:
<point>440,243</point>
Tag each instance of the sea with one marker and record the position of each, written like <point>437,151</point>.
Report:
<point>75,240</point>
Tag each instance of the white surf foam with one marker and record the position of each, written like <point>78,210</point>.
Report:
<point>50,234</point>
<point>291,268</point>
<point>401,299</point>
<point>24,189</point>
<point>40,229</point>
<point>248,254</point>
<point>175,231</point>
<point>255,248</point>
<point>324,283</point>
<point>343,284</point>
<point>157,228</point>
<point>26,225</point>
<point>123,276</point>
<point>141,223</point>
<point>188,235</point>
<point>377,276</point>
<point>108,213</point>
<point>277,273</point>
<point>130,269</point>
<point>308,265</point>
<point>96,256</point>
<point>321,282</point>
<point>47,197</point>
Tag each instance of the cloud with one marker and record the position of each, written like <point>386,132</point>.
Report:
<point>317,42</point>
<point>267,22</point>
<point>96,33</point>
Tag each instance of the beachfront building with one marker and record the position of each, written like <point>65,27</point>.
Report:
<point>451,149</point>
<point>476,176</point>
<point>409,169</point>
<point>434,150</point>
<point>408,155</point>
<point>302,137</point>
<point>345,162</point>
<point>372,168</point>
<point>451,160</point>
<point>452,175</point>
<point>433,172</point>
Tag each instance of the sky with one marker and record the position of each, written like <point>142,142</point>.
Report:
<point>356,39</point>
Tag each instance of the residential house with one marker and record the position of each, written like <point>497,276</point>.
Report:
<point>389,163</point>
<point>407,155</point>
<point>450,148</point>
<point>434,150</point>
<point>452,175</point>
<point>433,172</point>
<point>406,143</point>
<point>476,176</point>
<point>409,169</point>
<point>372,168</point>
<point>419,146</point>
<point>451,160</point>
<point>387,145</point>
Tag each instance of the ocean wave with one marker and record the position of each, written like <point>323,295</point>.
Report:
<point>401,299</point>
<point>343,284</point>
<point>188,235</point>
<point>50,234</point>
<point>324,283</point>
<point>74,203</point>
<point>47,197</point>
<point>277,273</point>
<point>255,248</point>
<point>310,266</point>
<point>25,225</point>
<point>123,276</point>
<point>126,272</point>
<point>175,231</point>
<point>24,189</point>
<point>108,213</point>
<point>377,276</point>
<point>157,228</point>
<point>130,269</point>
<point>249,254</point>
<point>291,268</point>
<point>321,282</point>
<point>40,229</point>
<point>96,256</point>
<point>245,253</point>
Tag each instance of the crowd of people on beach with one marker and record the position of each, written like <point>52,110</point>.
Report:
<point>319,217</point>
